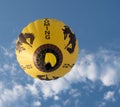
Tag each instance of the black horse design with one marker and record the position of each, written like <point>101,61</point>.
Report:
<point>68,33</point>
<point>23,39</point>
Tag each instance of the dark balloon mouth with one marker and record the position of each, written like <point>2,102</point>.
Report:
<point>39,57</point>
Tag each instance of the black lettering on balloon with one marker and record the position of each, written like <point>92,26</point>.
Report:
<point>46,22</point>
<point>68,65</point>
<point>47,31</point>
<point>28,66</point>
<point>47,34</point>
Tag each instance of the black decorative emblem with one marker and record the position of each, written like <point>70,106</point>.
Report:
<point>69,34</point>
<point>23,39</point>
<point>45,77</point>
<point>39,57</point>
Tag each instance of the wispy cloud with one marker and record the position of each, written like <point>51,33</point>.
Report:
<point>37,104</point>
<point>7,52</point>
<point>109,96</point>
<point>102,66</point>
<point>11,95</point>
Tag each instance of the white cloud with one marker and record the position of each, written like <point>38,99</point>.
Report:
<point>102,66</point>
<point>55,105</point>
<point>37,104</point>
<point>9,68</point>
<point>102,104</point>
<point>109,96</point>
<point>109,77</point>
<point>56,97</point>
<point>11,95</point>
<point>66,102</point>
<point>7,52</point>
<point>84,69</point>
<point>32,88</point>
<point>77,103</point>
<point>51,88</point>
<point>75,93</point>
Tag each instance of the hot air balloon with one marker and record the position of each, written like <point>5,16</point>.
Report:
<point>46,49</point>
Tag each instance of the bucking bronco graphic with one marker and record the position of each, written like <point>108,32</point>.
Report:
<point>69,34</point>
<point>23,39</point>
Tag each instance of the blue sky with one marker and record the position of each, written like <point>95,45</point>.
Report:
<point>95,79</point>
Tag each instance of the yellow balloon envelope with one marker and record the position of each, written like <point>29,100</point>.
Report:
<point>46,49</point>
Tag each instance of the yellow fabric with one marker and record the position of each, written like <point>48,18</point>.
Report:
<point>46,33</point>
<point>50,58</point>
